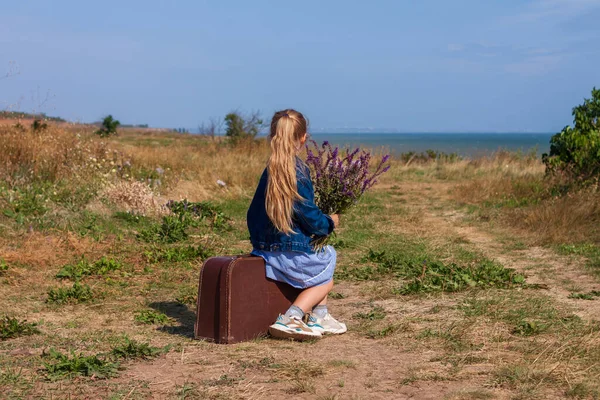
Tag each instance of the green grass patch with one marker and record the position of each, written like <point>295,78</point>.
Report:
<point>61,366</point>
<point>151,317</point>
<point>424,275</point>
<point>12,328</point>
<point>78,293</point>
<point>85,268</point>
<point>25,204</point>
<point>525,313</point>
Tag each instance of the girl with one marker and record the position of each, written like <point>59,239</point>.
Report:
<point>282,220</point>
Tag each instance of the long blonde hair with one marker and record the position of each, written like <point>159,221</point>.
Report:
<point>287,130</point>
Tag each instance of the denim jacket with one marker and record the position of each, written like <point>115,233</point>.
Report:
<point>308,221</point>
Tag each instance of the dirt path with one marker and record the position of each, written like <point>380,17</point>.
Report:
<point>558,275</point>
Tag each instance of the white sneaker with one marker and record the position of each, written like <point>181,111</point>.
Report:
<point>326,325</point>
<point>292,328</point>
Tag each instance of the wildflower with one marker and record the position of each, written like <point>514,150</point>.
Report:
<point>340,178</point>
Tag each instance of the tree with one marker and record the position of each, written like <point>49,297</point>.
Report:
<point>212,128</point>
<point>575,151</point>
<point>240,127</point>
<point>109,127</point>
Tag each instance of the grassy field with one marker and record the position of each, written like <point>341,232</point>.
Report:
<point>458,279</point>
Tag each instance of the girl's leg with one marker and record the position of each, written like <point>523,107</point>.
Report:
<point>312,296</point>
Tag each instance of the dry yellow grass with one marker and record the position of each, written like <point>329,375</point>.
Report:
<point>50,155</point>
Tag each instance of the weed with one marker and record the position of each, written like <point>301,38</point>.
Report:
<point>223,380</point>
<point>134,350</point>
<point>184,215</point>
<point>300,370</point>
<point>511,375</point>
<point>151,317</point>
<point>130,217</point>
<point>60,366</point>
<point>187,295</point>
<point>12,328</point>
<point>203,211</point>
<point>266,362</point>
<point>301,386</point>
<point>78,293</point>
<point>343,363</point>
<point>84,268</point>
<point>381,333</point>
<point>528,328</point>
<point>177,254</point>
<point>452,336</point>
<point>10,376</point>
<point>582,391</point>
<point>3,267</point>
<point>336,295</point>
<point>592,295</point>
<point>188,391</point>
<point>25,202</point>
<point>376,313</point>
<point>172,229</point>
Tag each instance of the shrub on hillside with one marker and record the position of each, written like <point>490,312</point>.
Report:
<point>575,151</point>
<point>109,127</point>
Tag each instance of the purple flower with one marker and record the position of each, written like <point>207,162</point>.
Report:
<point>341,177</point>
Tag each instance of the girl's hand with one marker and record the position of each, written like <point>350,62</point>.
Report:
<point>336,219</point>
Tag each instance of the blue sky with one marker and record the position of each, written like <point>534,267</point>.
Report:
<point>431,65</point>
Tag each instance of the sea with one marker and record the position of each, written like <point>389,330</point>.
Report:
<point>464,144</point>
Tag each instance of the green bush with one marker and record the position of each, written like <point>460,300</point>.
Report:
<point>78,293</point>
<point>575,151</point>
<point>109,127</point>
<point>12,328</point>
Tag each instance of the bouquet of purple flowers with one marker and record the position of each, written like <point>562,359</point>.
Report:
<point>341,177</point>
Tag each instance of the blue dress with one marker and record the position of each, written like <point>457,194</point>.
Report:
<point>299,269</point>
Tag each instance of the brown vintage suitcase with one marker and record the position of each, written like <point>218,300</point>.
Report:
<point>236,301</point>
